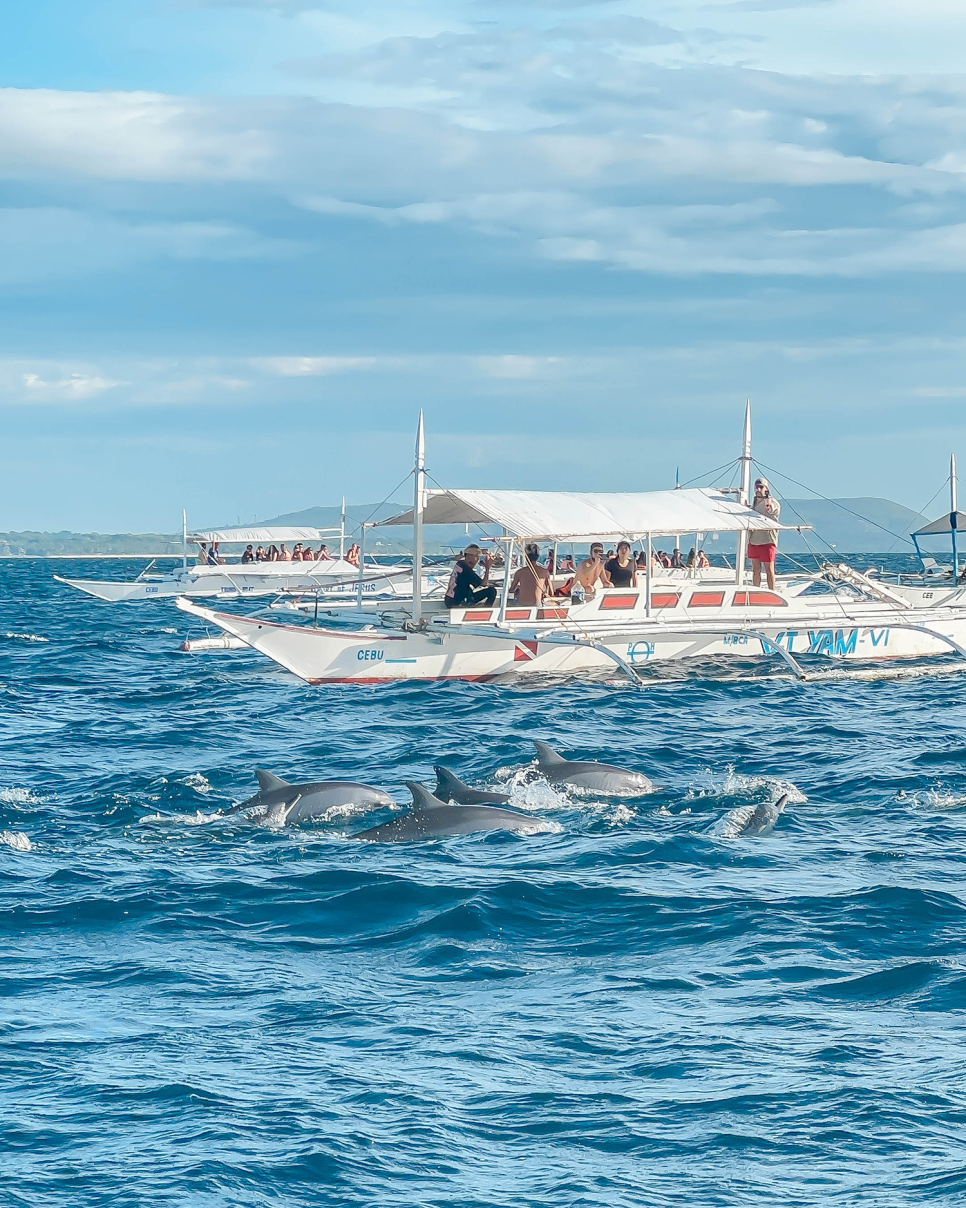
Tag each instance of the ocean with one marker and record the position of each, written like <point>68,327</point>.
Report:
<point>642,1007</point>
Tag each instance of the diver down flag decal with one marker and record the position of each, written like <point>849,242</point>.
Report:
<point>523,652</point>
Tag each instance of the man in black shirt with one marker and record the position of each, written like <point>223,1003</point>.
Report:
<point>466,588</point>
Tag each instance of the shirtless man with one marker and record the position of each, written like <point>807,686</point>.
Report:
<point>532,581</point>
<point>591,571</point>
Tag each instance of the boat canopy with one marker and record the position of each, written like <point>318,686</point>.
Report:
<point>573,516</point>
<point>943,525</point>
<point>251,536</point>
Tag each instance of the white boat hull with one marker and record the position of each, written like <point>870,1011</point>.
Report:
<point>478,652</point>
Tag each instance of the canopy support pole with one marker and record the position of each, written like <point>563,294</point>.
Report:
<point>647,580</point>
<point>418,492</point>
<point>952,513</point>
<point>744,497</point>
<point>507,576</point>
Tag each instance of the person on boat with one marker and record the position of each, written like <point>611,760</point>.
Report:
<point>566,565</point>
<point>703,560</point>
<point>591,571</point>
<point>763,545</point>
<point>283,554</point>
<point>532,581</point>
<point>213,559</point>
<point>297,552</point>
<point>248,555</point>
<point>656,563</point>
<point>665,559</point>
<point>550,561</point>
<point>353,554</point>
<point>465,587</point>
<point>622,569</point>
<point>260,554</point>
<point>323,554</point>
<point>692,558</point>
<point>677,562</point>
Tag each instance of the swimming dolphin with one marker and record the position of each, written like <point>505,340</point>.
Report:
<point>431,818</point>
<point>587,774</point>
<point>450,788</point>
<point>294,803</point>
<point>762,820</point>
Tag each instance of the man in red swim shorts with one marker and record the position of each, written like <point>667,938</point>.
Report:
<point>763,545</point>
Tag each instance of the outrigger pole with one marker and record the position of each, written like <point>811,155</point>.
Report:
<point>418,492</point>
<point>744,497</point>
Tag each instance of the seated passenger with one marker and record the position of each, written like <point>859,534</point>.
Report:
<point>248,556</point>
<point>353,554</point>
<point>676,560</point>
<point>213,559</point>
<point>703,560</point>
<point>566,566</point>
<point>297,552</point>
<point>260,554</point>
<point>622,570</point>
<point>202,554</point>
<point>532,581</point>
<point>692,558</point>
<point>591,571</point>
<point>272,555</point>
<point>323,554</point>
<point>283,554</point>
<point>665,559</point>
<point>465,588</point>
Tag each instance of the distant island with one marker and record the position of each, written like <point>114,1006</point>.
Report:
<point>864,525</point>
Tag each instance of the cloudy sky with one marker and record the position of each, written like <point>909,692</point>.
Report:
<point>242,243</point>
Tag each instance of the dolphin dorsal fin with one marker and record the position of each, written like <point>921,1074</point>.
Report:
<point>267,782</point>
<point>423,799</point>
<point>547,755</point>
<point>445,779</point>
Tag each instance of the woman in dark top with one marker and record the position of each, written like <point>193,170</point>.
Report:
<point>622,569</point>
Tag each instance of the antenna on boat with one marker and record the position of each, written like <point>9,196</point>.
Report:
<point>744,497</point>
<point>953,517</point>
<point>418,491</point>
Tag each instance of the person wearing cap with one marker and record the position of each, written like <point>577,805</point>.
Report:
<point>763,544</point>
<point>465,587</point>
<point>532,581</point>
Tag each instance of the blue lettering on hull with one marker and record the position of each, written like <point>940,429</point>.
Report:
<point>367,656</point>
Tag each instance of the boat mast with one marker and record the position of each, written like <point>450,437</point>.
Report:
<point>184,538</point>
<point>745,488</point>
<point>342,532</point>
<point>677,536</point>
<point>418,491</point>
<point>952,513</point>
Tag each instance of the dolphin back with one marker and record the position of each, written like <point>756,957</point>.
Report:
<point>445,820</point>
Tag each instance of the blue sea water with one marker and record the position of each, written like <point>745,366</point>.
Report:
<point>637,1009</point>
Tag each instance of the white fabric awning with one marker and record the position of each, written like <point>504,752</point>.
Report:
<point>256,536</point>
<point>943,525</point>
<point>573,516</point>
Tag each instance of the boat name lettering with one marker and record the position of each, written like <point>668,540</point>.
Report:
<point>736,639</point>
<point>366,656</point>
<point>639,652</point>
<point>834,642</point>
<point>882,636</point>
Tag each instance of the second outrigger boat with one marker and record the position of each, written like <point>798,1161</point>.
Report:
<point>627,628</point>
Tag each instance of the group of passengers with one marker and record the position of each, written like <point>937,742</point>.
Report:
<point>533,582</point>
<point>209,555</point>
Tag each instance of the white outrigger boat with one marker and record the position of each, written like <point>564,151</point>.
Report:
<point>332,577</point>
<point>624,627</point>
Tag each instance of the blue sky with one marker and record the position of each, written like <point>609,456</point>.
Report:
<point>242,243</point>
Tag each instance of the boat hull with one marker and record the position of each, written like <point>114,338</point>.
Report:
<point>376,656</point>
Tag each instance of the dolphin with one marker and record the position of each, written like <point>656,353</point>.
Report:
<point>450,788</point>
<point>587,774</point>
<point>761,820</point>
<point>294,803</point>
<point>431,818</point>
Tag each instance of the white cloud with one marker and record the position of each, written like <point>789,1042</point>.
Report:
<point>75,386</point>
<point>311,366</point>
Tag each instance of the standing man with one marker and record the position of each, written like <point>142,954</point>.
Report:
<point>763,545</point>
<point>466,588</point>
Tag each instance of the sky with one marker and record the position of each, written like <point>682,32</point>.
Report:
<point>243,243</point>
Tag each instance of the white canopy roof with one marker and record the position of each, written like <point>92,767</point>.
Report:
<point>943,525</point>
<point>581,517</point>
<point>253,536</point>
